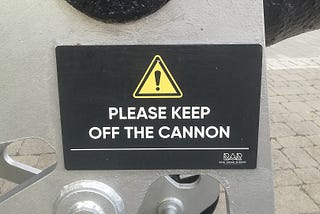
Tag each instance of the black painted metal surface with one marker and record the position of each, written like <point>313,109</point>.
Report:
<point>97,78</point>
<point>286,18</point>
<point>117,10</point>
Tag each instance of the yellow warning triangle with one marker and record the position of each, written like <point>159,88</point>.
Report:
<point>157,82</point>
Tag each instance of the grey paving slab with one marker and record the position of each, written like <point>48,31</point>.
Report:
<point>286,178</point>
<point>294,74</point>
<point>315,139</point>
<point>309,116</point>
<point>299,157</point>
<point>294,141</point>
<point>297,106</point>
<point>304,128</point>
<point>295,97</point>
<point>278,99</point>
<point>30,160</point>
<point>35,147</point>
<point>46,160</point>
<point>277,108</point>
<point>313,190</point>
<point>7,186</point>
<point>275,145</point>
<point>280,118</point>
<point>280,161</point>
<point>310,175</point>
<point>13,148</point>
<point>31,152</point>
<point>314,152</point>
<point>315,103</point>
<point>281,130</point>
<point>293,200</point>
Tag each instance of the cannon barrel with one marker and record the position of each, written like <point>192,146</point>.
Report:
<point>283,18</point>
<point>287,18</point>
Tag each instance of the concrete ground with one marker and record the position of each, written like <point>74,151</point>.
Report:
<point>294,101</point>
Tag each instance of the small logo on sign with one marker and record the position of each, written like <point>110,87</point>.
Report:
<point>231,158</point>
<point>157,82</point>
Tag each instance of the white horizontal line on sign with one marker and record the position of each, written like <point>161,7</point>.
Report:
<point>156,149</point>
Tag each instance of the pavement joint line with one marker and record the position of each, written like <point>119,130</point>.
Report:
<point>311,157</point>
<point>288,63</point>
<point>284,154</point>
<point>306,192</point>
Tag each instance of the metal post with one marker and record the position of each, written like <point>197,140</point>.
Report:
<point>29,99</point>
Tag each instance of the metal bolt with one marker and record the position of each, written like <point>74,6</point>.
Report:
<point>168,210</point>
<point>170,206</point>
<point>86,207</point>
<point>89,197</point>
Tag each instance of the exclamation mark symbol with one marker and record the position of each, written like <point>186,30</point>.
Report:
<point>157,75</point>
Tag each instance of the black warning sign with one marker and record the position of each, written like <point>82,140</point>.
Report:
<point>159,107</point>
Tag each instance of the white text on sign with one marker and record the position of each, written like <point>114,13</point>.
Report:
<point>164,132</point>
<point>158,113</point>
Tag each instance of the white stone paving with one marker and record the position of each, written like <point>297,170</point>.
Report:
<point>294,82</point>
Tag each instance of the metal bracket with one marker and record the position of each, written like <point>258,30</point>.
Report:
<point>89,197</point>
<point>167,196</point>
<point>12,170</point>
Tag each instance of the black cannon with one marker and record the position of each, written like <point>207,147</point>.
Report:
<point>283,18</point>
